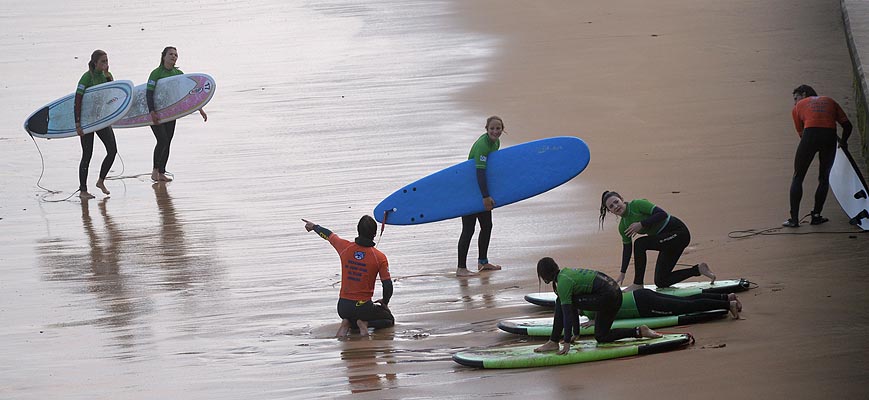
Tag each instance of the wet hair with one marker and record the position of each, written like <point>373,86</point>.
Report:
<point>805,90</point>
<point>495,118</point>
<point>367,227</point>
<point>92,64</point>
<point>547,270</point>
<point>603,198</point>
<point>163,55</point>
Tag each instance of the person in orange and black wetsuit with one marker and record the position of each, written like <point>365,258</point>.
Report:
<point>361,263</point>
<point>815,119</point>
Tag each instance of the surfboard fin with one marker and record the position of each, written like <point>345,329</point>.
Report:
<point>860,195</point>
<point>856,220</point>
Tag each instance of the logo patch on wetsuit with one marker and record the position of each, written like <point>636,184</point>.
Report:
<point>359,255</point>
<point>483,158</point>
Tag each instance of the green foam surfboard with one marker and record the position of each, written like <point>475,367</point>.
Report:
<point>543,326</point>
<point>547,299</point>
<point>523,356</point>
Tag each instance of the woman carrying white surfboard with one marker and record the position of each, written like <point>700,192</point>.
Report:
<point>587,290</point>
<point>97,73</point>
<point>487,143</point>
<point>163,132</point>
<point>660,231</point>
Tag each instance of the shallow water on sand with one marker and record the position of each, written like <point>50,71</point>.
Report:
<point>208,286</point>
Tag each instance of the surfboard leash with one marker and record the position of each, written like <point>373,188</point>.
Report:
<point>777,231</point>
<point>383,224</point>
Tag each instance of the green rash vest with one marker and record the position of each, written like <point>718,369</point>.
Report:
<point>160,73</point>
<point>91,79</point>
<point>572,282</point>
<point>637,211</point>
<point>481,149</point>
<point>628,309</point>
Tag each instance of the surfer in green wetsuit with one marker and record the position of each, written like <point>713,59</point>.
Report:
<point>587,290</point>
<point>97,73</point>
<point>660,231</point>
<point>486,144</point>
<point>163,132</point>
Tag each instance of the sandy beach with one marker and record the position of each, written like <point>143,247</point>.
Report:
<point>209,286</point>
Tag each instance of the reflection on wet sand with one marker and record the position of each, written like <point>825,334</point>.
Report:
<point>371,368</point>
<point>99,269</point>
<point>170,243</point>
<point>471,296</point>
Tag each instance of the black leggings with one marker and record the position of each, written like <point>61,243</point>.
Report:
<point>107,136</point>
<point>814,140</point>
<point>606,300</point>
<point>654,304</point>
<point>669,244</point>
<point>164,133</point>
<point>376,316</point>
<point>469,223</point>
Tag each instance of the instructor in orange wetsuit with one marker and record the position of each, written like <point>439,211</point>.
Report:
<point>361,263</point>
<point>815,119</point>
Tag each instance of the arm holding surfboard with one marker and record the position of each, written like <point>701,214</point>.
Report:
<point>486,144</point>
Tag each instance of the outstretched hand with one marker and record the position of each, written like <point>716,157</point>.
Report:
<point>309,226</point>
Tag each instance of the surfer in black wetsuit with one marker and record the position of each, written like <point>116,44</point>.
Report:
<point>97,73</point>
<point>815,118</point>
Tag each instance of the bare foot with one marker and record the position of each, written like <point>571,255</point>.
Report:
<point>732,297</point>
<point>464,272</point>
<point>344,329</point>
<point>632,287</point>
<point>488,267</point>
<point>155,175</point>
<point>102,185</point>
<point>165,178</point>
<point>734,309</point>
<point>363,327</point>
<point>705,271</point>
<point>547,347</point>
<point>646,332</point>
<point>85,195</point>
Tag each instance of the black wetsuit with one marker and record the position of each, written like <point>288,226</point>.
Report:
<point>669,243</point>
<point>605,299</point>
<point>815,140</point>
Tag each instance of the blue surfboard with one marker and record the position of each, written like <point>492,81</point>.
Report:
<point>514,173</point>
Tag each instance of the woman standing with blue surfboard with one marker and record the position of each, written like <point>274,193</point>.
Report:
<point>660,231</point>
<point>487,143</point>
<point>163,132</point>
<point>97,73</point>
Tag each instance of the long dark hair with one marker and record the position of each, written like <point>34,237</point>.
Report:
<point>163,54</point>
<point>547,270</point>
<point>603,198</point>
<point>92,64</point>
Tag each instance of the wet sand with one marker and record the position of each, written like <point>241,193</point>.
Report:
<point>208,287</point>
